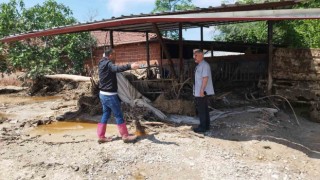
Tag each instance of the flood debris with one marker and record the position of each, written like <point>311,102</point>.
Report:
<point>11,89</point>
<point>296,77</point>
<point>239,137</point>
<point>219,114</point>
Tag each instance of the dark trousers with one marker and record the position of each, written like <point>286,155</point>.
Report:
<point>203,112</point>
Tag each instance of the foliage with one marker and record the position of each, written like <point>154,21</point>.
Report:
<point>294,33</point>
<point>49,54</point>
<point>171,6</point>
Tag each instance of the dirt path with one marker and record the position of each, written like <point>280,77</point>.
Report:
<point>237,147</point>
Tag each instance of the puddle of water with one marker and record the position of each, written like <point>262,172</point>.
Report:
<point>71,127</point>
<point>26,99</point>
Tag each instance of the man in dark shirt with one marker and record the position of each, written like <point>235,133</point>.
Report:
<point>109,98</point>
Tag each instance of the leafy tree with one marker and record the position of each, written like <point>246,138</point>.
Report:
<point>171,6</point>
<point>294,33</point>
<point>9,14</point>
<point>49,54</point>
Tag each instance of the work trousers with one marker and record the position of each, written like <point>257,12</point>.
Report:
<point>111,104</point>
<point>203,112</point>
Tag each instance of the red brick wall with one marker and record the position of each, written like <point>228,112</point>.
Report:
<point>128,53</point>
<point>136,52</point>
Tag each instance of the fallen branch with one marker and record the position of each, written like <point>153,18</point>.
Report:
<point>294,113</point>
<point>179,91</point>
<point>68,77</point>
<point>223,95</point>
<point>153,123</point>
<point>67,142</point>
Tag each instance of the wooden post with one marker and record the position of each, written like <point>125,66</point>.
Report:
<point>161,65</point>
<point>201,37</point>
<point>111,39</point>
<point>181,53</point>
<point>148,53</point>
<point>165,49</point>
<point>270,53</point>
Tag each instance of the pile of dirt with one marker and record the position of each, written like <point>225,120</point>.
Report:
<point>253,144</point>
<point>11,89</point>
<point>138,113</point>
<point>46,86</point>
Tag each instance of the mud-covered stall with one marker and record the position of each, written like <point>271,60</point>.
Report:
<point>249,68</point>
<point>296,77</point>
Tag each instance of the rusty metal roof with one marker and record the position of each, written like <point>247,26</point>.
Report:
<point>190,19</point>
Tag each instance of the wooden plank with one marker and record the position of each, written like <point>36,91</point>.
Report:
<point>148,53</point>
<point>181,53</point>
<point>111,39</point>
<point>270,33</point>
<point>165,49</point>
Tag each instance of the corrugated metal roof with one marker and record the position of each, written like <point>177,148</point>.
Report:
<point>194,18</point>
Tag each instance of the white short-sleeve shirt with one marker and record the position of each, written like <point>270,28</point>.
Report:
<point>202,70</point>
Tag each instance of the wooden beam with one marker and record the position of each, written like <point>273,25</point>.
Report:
<point>165,49</point>
<point>270,53</point>
<point>161,63</point>
<point>111,39</point>
<point>201,37</point>
<point>181,52</point>
<point>148,54</point>
<point>148,49</point>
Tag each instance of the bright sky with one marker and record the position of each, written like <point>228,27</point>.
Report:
<point>105,9</point>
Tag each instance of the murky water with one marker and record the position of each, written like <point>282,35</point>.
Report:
<point>70,127</point>
<point>60,132</point>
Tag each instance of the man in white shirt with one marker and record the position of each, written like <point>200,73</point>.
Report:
<point>202,88</point>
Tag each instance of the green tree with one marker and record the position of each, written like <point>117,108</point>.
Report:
<point>293,33</point>
<point>48,54</point>
<point>9,15</point>
<point>171,6</point>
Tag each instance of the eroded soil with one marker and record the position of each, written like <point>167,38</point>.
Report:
<point>252,145</point>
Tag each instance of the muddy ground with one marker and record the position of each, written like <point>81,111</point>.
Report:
<point>249,145</point>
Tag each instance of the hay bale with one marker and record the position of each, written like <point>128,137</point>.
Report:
<point>174,106</point>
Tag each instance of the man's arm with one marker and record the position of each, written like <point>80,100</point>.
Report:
<point>121,68</point>
<point>203,86</point>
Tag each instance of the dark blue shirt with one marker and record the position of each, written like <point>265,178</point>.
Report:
<point>107,75</point>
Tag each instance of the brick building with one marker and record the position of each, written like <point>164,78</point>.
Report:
<point>130,47</point>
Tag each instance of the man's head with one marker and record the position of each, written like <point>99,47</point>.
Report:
<point>110,54</point>
<point>198,55</point>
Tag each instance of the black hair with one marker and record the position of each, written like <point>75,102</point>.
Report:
<point>108,52</point>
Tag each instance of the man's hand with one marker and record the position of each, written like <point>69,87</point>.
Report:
<point>134,65</point>
<point>202,93</point>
